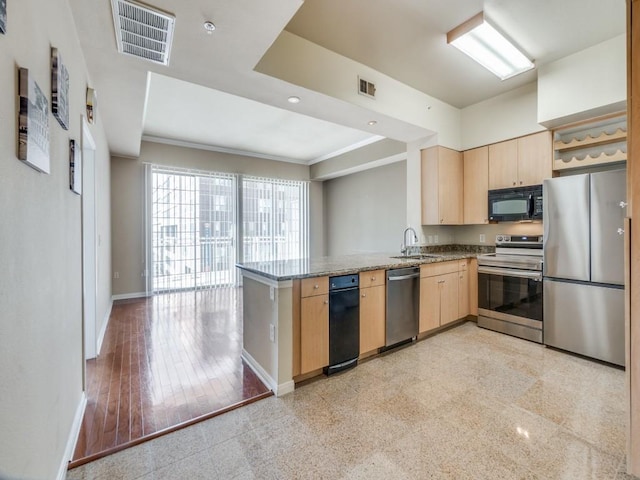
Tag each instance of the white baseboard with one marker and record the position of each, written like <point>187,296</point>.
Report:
<point>128,296</point>
<point>277,389</point>
<point>103,330</point>
<point>73,438</point>
<point>259,371</point>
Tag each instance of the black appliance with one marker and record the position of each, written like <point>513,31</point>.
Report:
<point>515,204</point>
<point>344,323</point>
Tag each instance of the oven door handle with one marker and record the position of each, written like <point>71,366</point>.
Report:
<point>507,272</point>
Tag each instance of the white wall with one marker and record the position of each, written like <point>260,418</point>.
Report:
<point>584,85</point>
<point>41,356</point>
<point>366,211</point>
<point>509,115</point>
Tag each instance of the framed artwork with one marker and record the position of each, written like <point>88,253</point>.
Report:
<point>92,105</point>
<point>59,89</point>
<point>33,123</point>
<point>75,167</point>
<point>3,16</point>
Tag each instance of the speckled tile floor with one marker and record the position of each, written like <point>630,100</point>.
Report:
<point>465,404</point>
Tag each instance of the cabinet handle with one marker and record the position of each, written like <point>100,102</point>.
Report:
<point>623,204</point>
<point>514,184</point>
<point>373,279</point>
<point>621,231</point>
<point>326,302</point>
<point>364,295</point>
<point>442,220</point>
<point>520,182</point>
<point>440,281</point>
<point>316,286</point>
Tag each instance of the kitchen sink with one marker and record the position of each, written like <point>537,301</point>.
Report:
<point>418,257</point>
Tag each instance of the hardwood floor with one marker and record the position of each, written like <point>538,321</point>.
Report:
<point>167,361</point>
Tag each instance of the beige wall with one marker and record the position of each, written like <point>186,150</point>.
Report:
<point>366,211</point>
<point>128,201</point>
<point>41,354</point>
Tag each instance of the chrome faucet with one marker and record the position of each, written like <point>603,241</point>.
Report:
<point>404,247</point>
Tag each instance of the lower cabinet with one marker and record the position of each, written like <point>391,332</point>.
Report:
<point>372,317</point>
<point>314,325</point>
<point>372,310</point>
<point>444,293</point>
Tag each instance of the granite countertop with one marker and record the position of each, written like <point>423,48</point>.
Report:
<point>340,265</point>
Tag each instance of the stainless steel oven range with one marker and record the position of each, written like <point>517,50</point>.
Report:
<point>510,287</point>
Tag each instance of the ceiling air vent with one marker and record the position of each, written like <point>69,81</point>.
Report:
<point>366,88</point>
<point>142,31</point>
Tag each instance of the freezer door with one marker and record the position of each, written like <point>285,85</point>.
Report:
<point>608,190</point>
<point>585,319</point>
<point>566,227</point>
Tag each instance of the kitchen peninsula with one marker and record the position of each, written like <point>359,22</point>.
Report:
<point>272,293</point>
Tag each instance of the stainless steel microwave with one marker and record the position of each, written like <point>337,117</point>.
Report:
<point>515,204</point>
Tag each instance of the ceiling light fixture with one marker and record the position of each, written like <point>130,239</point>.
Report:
<point>293,99</point>
<point>372,122</point>
<point>209,27</point>
<point>489,48</point>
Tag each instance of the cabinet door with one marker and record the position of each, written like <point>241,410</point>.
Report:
<point>475,185</point>
<point>450,186</point>
<point>314,333</point>
<point>463,293</point>
<point>429,187</point>
<point>372,316</point>
<point>535,158</point>
<point>429,303</point>
<point>503,164</point>
<point>473,286</point>
<point>448,298</point>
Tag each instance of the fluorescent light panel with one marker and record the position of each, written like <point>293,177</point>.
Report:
<point>489,48</point>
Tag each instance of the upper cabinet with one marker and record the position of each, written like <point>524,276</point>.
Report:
<point>476,185</point>
<point>520,162</point>
<point>442,186</point>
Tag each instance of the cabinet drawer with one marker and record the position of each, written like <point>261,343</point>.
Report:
<point>372,278</point>
<point>310,287</point>
<point>439,268</point>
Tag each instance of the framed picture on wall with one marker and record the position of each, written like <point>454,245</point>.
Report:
<point>59,89</point>
<point>3,16</point>
<point>75,167</point>
<point>33,123</point>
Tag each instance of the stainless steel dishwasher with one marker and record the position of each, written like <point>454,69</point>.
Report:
<point>403,301</point>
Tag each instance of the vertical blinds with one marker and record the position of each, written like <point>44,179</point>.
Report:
<point>195,222</point>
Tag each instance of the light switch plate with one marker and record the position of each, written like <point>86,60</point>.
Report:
<point>435,239</point>
<point>482,238</point>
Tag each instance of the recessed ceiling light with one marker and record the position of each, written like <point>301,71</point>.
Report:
<point>293,99</point>
<point>209,27</point>
<point>372,122</point>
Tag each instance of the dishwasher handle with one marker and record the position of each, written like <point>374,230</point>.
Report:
<point>404,277</point>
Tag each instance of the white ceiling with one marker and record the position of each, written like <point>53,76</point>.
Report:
<point>184,112</point>
<point>211,95</point>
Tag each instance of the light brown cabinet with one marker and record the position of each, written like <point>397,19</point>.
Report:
<point>463,289</point>
<point>472,269</point>
<point>442,177</point>
<point>475,186</point>
<point>314,324</point>
<point>372,310</point>
<point>439,295</point>
<point>520,162</point>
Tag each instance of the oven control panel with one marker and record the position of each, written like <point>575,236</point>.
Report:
<point>502,239</point>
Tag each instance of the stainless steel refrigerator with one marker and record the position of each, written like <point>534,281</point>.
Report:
<point>583,268</point>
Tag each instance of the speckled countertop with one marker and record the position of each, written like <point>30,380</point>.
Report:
<point>340,265</point>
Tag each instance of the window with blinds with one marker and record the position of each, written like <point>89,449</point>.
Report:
<point>274,219</point>
<point>195,223</point>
